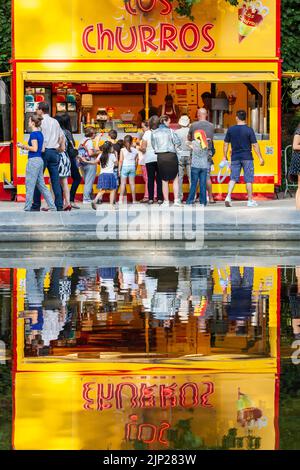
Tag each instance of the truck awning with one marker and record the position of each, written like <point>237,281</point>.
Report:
<point>151,77</point>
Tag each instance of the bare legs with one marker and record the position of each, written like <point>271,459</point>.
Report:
<point>112,195</point>
<point>66,191</point>
<point>249,187</point>
<point>165,189</point>
<point>123,187</point>
<point>209,189</point>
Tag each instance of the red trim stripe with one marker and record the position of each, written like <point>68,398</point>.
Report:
<point>278,28</point>
<point>14,351</point>
<point>277,379</point>
<point>14,123</point>
<point>140,180</point>
<point>144,60</point>
<point>279,124</point>
<point>5,194</point>
<point>4,154</point>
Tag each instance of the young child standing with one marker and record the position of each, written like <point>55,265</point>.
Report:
<point>199,165</point>
<point>107,180</point>
<point>127,167</point>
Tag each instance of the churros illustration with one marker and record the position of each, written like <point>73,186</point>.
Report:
<point>250,15</point>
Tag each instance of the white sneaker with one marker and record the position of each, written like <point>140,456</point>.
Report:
<point>228,201</point>
<point>177,203</point>
<point>165,204</point>
<point>252,204</point>
<point>87,201</point>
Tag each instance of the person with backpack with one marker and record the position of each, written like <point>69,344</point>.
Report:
<point>65,123</point>
<point>86,161</point>
<point>200,154</point>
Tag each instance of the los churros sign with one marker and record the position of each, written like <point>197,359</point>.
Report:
<point>146,29</point>
<point>154,27</point>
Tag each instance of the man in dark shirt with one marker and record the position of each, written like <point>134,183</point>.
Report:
<point>242,138</point>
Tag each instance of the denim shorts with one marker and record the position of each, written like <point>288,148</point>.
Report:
<point>127,171</point>
<point>248,168</point>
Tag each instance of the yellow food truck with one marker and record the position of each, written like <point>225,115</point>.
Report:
<point>110,64</point>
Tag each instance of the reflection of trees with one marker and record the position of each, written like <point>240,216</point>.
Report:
<point>5,407</point>
<point>181,437</point>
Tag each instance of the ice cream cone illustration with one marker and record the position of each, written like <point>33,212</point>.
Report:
<point>250,15</point>
<point>247,413</point>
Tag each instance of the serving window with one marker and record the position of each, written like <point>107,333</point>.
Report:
<point>120,101</point>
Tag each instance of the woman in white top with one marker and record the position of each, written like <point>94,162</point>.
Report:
<point>88,163</point>
<point>107,180</point>
<point>127,167</point>
<point>153,176</point>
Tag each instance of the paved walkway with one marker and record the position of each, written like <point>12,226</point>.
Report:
<point>275,220</point>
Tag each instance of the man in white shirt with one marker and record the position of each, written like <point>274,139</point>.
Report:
<point>54,142</point>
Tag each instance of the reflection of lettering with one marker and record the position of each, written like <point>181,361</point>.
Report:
<point>102,405</point>
<point>85,394</point>
<point>204,397</point>
<point>167,393</point>
<point>134,396</point>
<point>183,393</point>
<point>146,432</point>
<point>102,397</point>
<point>147,397</point>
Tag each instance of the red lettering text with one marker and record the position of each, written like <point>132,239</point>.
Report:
<point>210,42</point>
<point>134,40</point>
<point>182,37</point>
<point>147,36</point>
<point>146,5</point>
<point>102,33</point>
<point>167,40</point>
<point>85,39</point>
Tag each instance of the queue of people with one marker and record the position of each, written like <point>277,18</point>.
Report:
<point>164,154</point>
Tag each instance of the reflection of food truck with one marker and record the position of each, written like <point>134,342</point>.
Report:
<point>198,410</point>
<point>224,401</point>
<point>223,60</point>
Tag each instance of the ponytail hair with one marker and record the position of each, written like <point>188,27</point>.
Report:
<point>164,119</point>
<point>128,142</point>
<point>106,148</point>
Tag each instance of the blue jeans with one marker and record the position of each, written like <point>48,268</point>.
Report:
<point>51,162</point>
<point>198,174</point>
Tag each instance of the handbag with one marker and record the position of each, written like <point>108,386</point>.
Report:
<point>71,150</point>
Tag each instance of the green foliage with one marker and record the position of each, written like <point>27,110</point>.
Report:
<point>185,7</point>
<point>290,20</point>
<point>5,34</point>
<point>5,407</point>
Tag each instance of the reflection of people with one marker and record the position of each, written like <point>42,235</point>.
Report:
<point>294,297</point>
<point>242,138</point>
<point>241,305</point>
<point>35,296</point>
<point>165,302</point>
<point>169,109</point>
<point>294,171</point>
